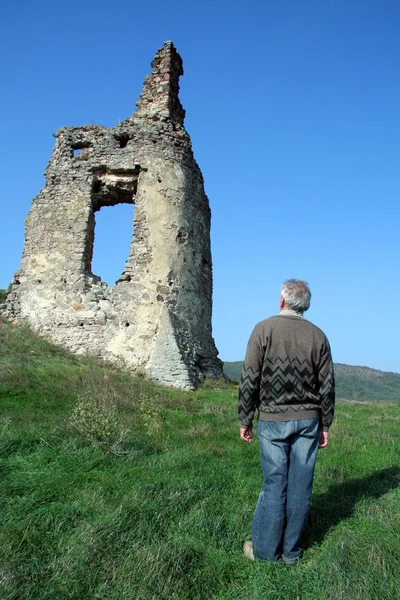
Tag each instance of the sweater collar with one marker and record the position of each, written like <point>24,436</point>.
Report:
<point>290,313</point>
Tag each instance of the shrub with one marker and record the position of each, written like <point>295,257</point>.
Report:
<point>97,421</point>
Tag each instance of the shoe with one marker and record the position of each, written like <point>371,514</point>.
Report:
<point>290,562</point>
<point>248,550</point>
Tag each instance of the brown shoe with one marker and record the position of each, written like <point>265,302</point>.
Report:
<point>248,550</point>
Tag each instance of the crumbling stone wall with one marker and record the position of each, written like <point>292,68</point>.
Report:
<point>157,318</point>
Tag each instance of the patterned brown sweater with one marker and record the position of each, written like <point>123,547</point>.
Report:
<point>287,373</point>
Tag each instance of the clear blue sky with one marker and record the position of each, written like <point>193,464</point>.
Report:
<point>293,110</point>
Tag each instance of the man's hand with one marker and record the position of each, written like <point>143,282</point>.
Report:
<point>323,439</point>
<point>246,433</point>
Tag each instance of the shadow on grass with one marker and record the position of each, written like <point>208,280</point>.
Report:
<point>339,502</point>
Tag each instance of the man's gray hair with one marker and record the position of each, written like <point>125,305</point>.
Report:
<point>296,294</point>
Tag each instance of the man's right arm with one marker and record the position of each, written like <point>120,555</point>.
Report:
<point>249,389</point>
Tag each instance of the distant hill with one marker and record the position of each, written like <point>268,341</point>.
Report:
<point>352,383</point>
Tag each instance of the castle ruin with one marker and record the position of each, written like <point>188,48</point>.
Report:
<point>157,317</point>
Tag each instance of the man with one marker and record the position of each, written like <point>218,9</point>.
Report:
<point>288,377</point>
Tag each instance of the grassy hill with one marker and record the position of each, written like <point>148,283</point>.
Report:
<point>114,488</point>
<point>352,383</point>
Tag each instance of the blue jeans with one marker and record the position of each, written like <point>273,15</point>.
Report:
<point>288,451</point>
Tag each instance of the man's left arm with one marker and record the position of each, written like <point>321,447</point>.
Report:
<point>327,393</point>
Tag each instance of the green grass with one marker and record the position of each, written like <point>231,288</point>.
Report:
<point>153,496</point>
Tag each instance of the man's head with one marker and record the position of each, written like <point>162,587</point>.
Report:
<point>295,295</point>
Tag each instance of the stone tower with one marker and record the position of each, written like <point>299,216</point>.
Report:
<point>157,317</point>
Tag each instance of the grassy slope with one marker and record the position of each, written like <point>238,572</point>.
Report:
<point>353,383</point>
<point>161,511</point>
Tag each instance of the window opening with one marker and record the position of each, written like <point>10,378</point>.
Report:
<point>112,240</point>
<point>78,147</point>
<point>123,140</point>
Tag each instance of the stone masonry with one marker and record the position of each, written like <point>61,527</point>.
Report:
<point>157,317</point>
